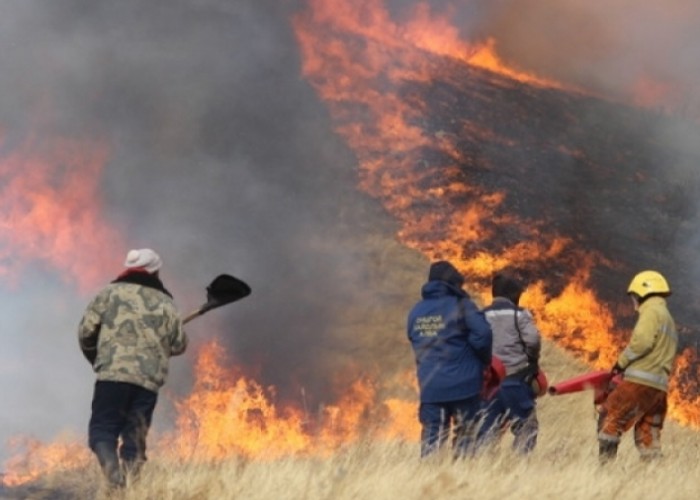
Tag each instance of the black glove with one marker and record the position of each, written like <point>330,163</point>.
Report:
<point>532,371</point>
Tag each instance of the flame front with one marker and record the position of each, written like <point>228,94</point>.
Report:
<point>365,66</point>
<point>227,415</point>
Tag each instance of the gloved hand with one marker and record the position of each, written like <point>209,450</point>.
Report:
<point>532,371</point>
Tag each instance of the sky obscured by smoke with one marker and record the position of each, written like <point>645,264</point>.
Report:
<point>616,48</point>
<point>223,159</point>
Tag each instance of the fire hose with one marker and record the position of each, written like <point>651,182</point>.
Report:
<point>602,383</point>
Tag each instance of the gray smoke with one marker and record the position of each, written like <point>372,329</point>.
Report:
<point>609,48</point>
<point>224,160</point>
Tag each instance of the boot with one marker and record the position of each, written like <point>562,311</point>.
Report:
<point>109,462</point>
<point>607,451</point>
<point>132,467</point>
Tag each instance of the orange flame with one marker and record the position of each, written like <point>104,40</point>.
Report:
<point>228,415</point>
<point>32,458</point>
<point>359,60</point>
<point>49,202</point>
<point>356,57</point>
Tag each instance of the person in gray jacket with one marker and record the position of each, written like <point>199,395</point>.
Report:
<point>516,342</point>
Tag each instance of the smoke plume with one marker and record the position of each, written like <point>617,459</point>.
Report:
<point>223,159</point>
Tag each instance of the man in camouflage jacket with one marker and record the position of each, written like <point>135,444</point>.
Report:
<point>128,333</point>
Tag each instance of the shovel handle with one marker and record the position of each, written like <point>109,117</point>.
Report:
<point>191,316</point>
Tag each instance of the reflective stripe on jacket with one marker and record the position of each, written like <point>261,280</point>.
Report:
<point>648,358</point>
<point>515,353</point>
<point>451,341</point>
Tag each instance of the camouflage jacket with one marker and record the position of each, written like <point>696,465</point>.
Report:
<point>129,331</point>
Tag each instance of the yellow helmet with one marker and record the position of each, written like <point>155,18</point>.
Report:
<point>647,283</point>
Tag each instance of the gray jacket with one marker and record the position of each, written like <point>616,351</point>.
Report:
<point>516,339</point>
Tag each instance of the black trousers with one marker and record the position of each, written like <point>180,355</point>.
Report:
<point>122,410</point>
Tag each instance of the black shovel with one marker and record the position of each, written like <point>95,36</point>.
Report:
<point>223,290</point>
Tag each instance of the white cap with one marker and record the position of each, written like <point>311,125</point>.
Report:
<point>145,258</point>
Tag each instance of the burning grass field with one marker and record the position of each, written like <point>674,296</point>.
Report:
<point>564,465</point>
<point>474,162</point>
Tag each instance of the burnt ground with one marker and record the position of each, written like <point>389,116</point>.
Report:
<point>620,182</point>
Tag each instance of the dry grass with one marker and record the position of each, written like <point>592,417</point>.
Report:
<point>564,465</point>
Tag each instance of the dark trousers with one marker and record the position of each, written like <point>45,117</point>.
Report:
<point>513,407</point>
<point>121,410</point>
<point>439,420</point>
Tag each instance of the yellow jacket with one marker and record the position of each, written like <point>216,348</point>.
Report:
<point>648,358</point>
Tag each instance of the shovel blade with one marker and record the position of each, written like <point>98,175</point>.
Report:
<point>224,290</point>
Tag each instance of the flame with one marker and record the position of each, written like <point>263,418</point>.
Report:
<point>31,458</point>
<point>684,400</point>
<point>49,202</point>
<point>228,415</point>
<point>426,30</point>
<point>363,64</point>
<point>360,62</point>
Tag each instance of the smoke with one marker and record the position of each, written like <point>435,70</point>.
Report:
<point>222,159</point>
<point>616,48</point>
<point>639,53</point>
<point>636,53</point>
<point>643,53</point>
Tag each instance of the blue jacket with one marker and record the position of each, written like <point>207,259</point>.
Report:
<point>451,340</point>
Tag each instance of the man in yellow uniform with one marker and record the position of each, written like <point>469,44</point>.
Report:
<point>646,363</point>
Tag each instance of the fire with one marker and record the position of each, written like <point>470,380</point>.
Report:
<point>363,64</point>
<point>228,414</point>
<point>32,458</point>
<point>49,201</point>
<point>366,66</point>
<point>428,31</point>
<point>684,399</point>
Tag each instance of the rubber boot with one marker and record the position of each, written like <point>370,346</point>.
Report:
<point>607,451</point>
<point>109,462</point>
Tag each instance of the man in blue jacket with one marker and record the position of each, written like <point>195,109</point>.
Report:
<point>451,340</point>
